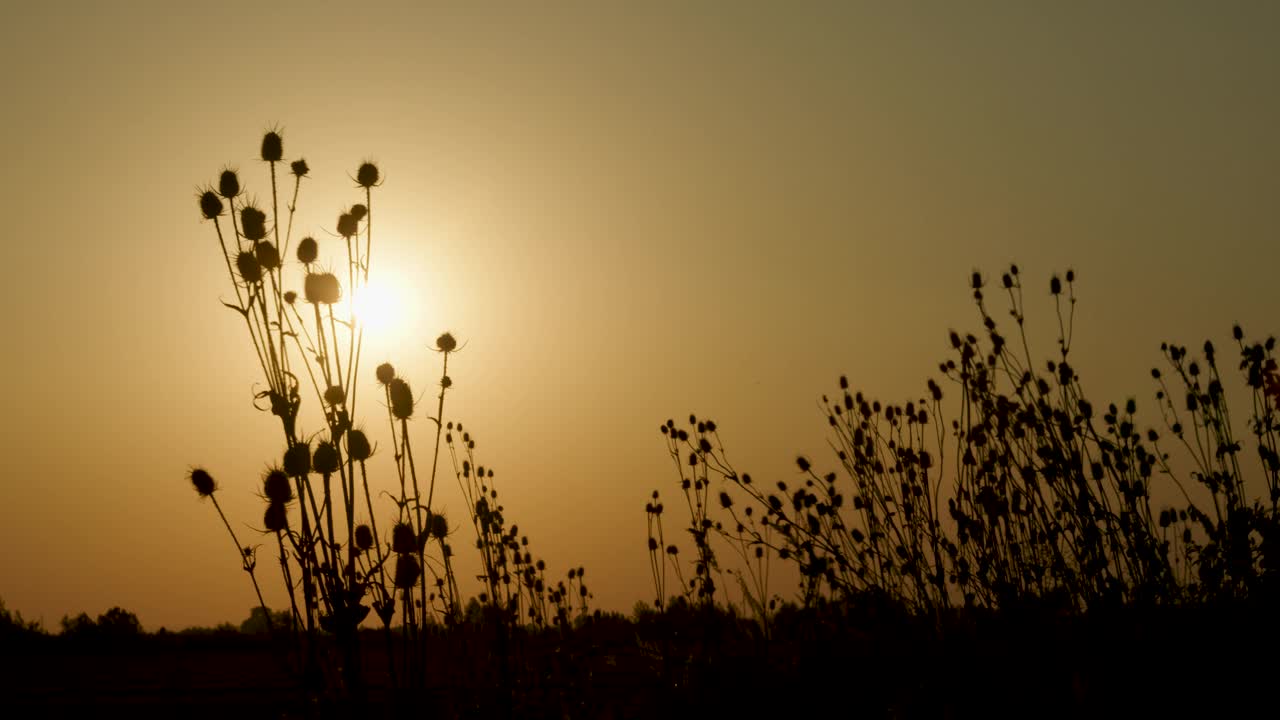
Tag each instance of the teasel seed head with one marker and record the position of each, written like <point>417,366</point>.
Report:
<point>367,176</point>
<point>267,254</point>
<point>299,168</point>
<point>202,481</point>
<point>297,460</point>
<point>402,538</point>
<point>325,459</point>
<point>446,343</point>
<point>210,205</point>
<point>228,184</point>
<point>358,445</point>
<point>272,147</point>
<point>276,517</point>
<point>407,572</point>
<point>335,395</point>
<point>364,537</point>
<point>386,372</point>
<point>401,399</point>
<point>247,265</point>
<point>438,526</point>
<point>253,223</point>
<point>358,211</point>
<point>277,487</point>
<point>347,225</point>
<point>290,297</point>
<point>307,250</point>
<point>322,288</point>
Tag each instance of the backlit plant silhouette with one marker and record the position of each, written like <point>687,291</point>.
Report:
<point>340,556</point>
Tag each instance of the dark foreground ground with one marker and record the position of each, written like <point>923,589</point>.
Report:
<point>841,663</point>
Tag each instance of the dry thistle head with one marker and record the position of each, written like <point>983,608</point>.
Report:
<point>307,250</point>
<point>358,446</point>
<point>335,395</point>
<point>407,572</point>
<point>367,175</point>
<point>402,538</point>
<point>276,518</point>
<point>277,487</point>
<point>297,460</point>
<point>202,481</point>
<point>322,288</point>
<point>401,399</point>
<point>248,267</point>
<point>253,223</point>
<point>272,147</point>
<point>386,373</point>
<point>228,184</point>
<point>267,254</point>
<point>299,168</point>
<point>358,211</point>
<point>364,537</point>
<point>325,460</point>
<point>446,342</point>
<point>210,205</point>
<point>290,297</point>
<point>438,526</point>
<point>347,225</point>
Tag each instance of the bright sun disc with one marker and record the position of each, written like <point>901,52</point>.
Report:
<point>376,306</point>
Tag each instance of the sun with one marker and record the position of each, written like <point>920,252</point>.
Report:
<point>378,306</point>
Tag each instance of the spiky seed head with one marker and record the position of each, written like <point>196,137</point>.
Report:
<point>322,288</point>
<point>402,538</point>
<point>325,459</point>
<point>407,572</point>
<point>335,395</point>
<point>202,481</point>
<point>247,265</point>
<point>386,373</point>
<point>277,487</point>
<point>297,460</point>
<point>272,147</point>
<point>358,445</point>
<point>228,184</point>
<point>446,342</point>
<point>276,517</point>
<point>401,399</point>
<point>307,250</point>
<point>446,382</point>
<point>358,211</point>
<point>364,537</point>
<point>291,297</point>
<point>438,526</point>
<point>367,175</point>
<point>299,168</point>
<point>210,205</point>
<point>1055,285</point>
<point>253,223</point>
<point>347,225</point>
<point>267,254</point>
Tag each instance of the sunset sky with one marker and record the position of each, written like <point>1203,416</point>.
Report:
<point>627,212</point>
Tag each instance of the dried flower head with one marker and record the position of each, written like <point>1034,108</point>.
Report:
<point>335,395</point>
<point>272,147</point>
<point>299,168</point>
<point>367,175</point>
<point>267,254</point>
<point>364,537</point>
<point>322,288</point>
<point>276,518</point>
<point>385,373</point>
<point>407,572</point>
<point>297,460</point>
<point>358,445</point>
<point>438,526</point>
<point>358,211</point>
<point>307,250</point>
<point>253,223</point>
<point>290,297</point>
<point>210,205</point>
<point>202,481</point>
<point>446,343</point>
<point>401,399</point>
<point>248,267</point>
<point>276,486</point>
<point>325,459</point>
<point>347,225</point>
<point>228,184</point>
<point>402,538</point>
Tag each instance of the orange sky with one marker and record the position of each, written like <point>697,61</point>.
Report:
<point>628,213</point>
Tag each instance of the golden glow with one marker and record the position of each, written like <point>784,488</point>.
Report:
<point>378,306</point>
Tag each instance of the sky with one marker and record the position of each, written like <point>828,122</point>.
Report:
<point>626,211</point>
